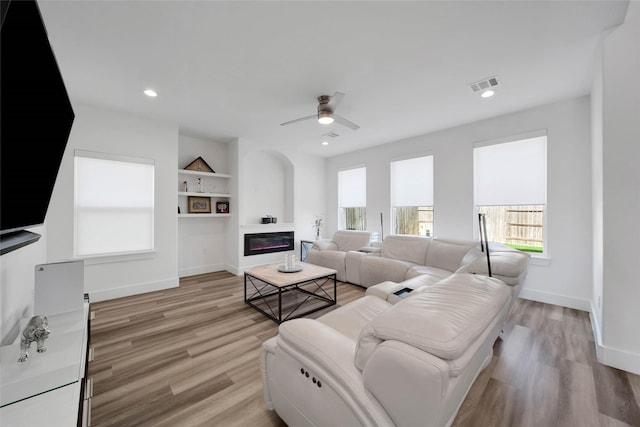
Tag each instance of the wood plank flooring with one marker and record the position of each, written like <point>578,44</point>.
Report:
<point>189,357</point>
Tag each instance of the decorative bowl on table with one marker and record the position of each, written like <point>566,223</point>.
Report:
<point>284,269</point>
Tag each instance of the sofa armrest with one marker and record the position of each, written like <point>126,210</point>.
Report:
<point>370,250</point>
<point>327,356</point>
<point>322,344</point>
<point>352,264</point>
<point>324,245</point>
<point>409,383</point>
<point>376,269</point>
<point>507,264</point>
<point>267,350</point>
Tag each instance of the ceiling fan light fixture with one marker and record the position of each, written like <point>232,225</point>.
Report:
<point>325,117</point>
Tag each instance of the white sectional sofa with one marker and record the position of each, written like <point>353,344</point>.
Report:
<point>383,362</point>
<point>332,253</point>
<point>402,257</point>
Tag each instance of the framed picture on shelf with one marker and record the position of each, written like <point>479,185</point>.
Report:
<point>199,204</point>
<point>222,207</point>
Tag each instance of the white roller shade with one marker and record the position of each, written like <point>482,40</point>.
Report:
<point>352,188</point>
<point>511,173</point>
<point>412,182</point>
<point>114,204</point>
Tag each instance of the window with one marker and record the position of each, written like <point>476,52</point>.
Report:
<point>412,196</point>
<point>510,186</point>
<point>352,199</point>
<point>113,204</point>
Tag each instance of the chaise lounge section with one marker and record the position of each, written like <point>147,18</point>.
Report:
<point>375,363</point>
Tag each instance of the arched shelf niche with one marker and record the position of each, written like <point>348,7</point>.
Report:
<point>267,187</point>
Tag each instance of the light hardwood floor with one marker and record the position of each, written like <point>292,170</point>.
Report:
<point>189,357</point>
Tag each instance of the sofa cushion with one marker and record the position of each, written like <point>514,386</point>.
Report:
<point>376,269</point>
<point>506,263</point>
<point>444,319</point>
<point>348,240</point>
<point>406,248</point>
<point>433,274</point>
<point>447,254</point>
<point>351,318</point>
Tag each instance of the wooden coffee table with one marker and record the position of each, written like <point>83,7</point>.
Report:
<point>282,296</point>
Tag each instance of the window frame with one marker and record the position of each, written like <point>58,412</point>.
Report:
<point>341,214</point>
<point>111,256</point>
<point>545,254</point>
<point>392,207</point>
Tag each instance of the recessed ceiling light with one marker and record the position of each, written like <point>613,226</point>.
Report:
<point>150,92</point>
<point>487,93</point>
<point>325,143</point>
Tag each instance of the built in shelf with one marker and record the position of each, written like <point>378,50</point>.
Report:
<point>194,193</point>
<point>200,173</point>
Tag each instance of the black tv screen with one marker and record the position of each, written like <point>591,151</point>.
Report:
<point>36,117</point>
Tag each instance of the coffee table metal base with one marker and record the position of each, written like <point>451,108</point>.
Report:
<point>299,299</point>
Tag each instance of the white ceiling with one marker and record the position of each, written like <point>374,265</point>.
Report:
<point>238,69</point>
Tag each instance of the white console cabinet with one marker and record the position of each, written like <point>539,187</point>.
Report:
<point>50,388</point>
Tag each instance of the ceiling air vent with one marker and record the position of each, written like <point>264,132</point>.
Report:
<point>331,135</point>
<point>484,84</point>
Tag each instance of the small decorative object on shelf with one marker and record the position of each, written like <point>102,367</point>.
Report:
<point>199,165</point>
<point>36,330</point>
<point>199,204</point>
<point>200,187</point>
<point>185,186</point>
<point>317,224</point>
<point>269,219</point>
<point>222,207</point>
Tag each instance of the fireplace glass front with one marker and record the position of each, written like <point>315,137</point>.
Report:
<point>264,243</point>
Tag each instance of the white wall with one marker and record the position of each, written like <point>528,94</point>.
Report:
<point>307,189</point>
<point>267,187</point>
<point>597,197</point>
<point>621,194</point>
<point>564,278</point>
<point>96,129</point>
<point>17,278</point>
<point>202,242</point>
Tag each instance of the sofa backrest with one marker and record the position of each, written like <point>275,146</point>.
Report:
<point>406,248</point>
<point>447,253</point>
<point>444,320</point>
<point>507,264</point>
<point>350,240</point>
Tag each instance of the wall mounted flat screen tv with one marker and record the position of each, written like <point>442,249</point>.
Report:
<point>36,119</point>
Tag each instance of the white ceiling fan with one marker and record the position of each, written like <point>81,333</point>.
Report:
<point>326,112</point>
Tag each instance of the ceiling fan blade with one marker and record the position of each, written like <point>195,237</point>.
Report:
<point>334,101</point>
<point>315,116</point>
<point>345,122</point>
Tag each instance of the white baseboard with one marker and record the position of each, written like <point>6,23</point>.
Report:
<point>234,269</point>
<point>556,299</point>
<point>135,289</point>
<point>203,269</point>
<point>609,356</point>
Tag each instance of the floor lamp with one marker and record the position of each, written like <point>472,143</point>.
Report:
<point>484,241</point>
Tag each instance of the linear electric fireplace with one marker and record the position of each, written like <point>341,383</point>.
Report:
<point>264,243</point>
